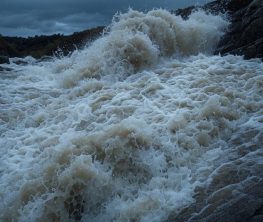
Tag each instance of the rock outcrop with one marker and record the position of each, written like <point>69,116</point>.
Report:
<point>245,34</point>
<point>235,189</point>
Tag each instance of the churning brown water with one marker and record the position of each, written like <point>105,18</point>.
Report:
<point>139,126</point>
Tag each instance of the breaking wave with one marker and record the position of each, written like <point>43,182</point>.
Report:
<point>136,41</point>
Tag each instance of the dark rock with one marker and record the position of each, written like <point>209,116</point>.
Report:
<point>234,192</point>
<point>224,200</point>
<point>4,59</point>
<point>235,5</point>
<point>185,12</point>
<point>244,35</point>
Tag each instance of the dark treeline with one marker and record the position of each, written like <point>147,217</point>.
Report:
<point>39,46</point>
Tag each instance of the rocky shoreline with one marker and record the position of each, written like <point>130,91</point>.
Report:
<point>245,33</point>
<point>244,36</point>
<point>40,46</point>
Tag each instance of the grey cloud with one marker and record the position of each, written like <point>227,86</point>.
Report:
<point>31,17</point>
<point>29,24</point>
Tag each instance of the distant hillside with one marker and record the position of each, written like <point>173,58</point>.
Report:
<point>244,36</point>
<point>39,46</point>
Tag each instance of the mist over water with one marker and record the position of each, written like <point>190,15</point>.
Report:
<point>129,127</point>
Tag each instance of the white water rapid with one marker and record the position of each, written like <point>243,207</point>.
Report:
<point>130,127</point>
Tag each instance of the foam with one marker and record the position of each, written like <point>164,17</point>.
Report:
<point>124,142</point>
<point>136,40</point>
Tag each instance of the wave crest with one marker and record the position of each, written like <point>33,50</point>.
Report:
<point>137,40</point>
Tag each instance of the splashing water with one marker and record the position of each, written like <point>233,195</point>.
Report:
<point>129,127</point>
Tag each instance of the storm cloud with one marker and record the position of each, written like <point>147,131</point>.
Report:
<point>38,17</point>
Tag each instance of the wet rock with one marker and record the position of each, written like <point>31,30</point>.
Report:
<point>236,199</point>
<point>245,34</point>
<point>185,12</point>
<point>234,192</point>
<point>4,59</point>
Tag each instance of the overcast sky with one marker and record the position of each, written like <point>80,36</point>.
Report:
<point>45,17</point>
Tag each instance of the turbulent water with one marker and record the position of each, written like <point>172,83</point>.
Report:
<point>131,127</point>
